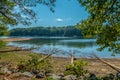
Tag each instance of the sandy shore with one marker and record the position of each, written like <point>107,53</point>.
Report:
<point>94,66</point>
<point>15,39</point>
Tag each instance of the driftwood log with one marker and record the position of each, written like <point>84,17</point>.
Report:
<point>116,68</point>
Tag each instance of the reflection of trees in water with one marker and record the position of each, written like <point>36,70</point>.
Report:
<point>58,42</point>
<point>56,47</point>
<point>79,44</point>
<point>40,41</point>
<point>61,47</point>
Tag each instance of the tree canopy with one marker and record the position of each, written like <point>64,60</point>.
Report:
<point>103,23</point>
<point>11,11</point>
<point>67,31</point>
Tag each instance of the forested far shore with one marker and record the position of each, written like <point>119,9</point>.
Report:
<point>68,31</point>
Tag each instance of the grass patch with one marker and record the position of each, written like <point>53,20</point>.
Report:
<point>14,57</point>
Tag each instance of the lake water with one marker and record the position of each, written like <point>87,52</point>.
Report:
<point>64,47</point>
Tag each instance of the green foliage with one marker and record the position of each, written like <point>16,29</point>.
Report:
<point>36,63</point>
<point>3,30</point>
<point>10,16</point>
<point>49,78</point>
<point>2,43</point>
<point>6,8</point>
<point>33,78</point>
<point>46,31</point>
<point>102,23</point>
<point>76,68</point>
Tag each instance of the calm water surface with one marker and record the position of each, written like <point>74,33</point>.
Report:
<point>64,47</point>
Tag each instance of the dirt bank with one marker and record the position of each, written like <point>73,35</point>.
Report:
<point>15,39</point>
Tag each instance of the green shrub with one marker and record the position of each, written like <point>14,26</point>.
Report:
<point>32,78</point>
<point>36,63</point>
<point>49,78</point>
<point>76,68</point>
<point>2,43</point>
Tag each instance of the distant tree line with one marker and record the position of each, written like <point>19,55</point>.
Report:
<point>68,31</point>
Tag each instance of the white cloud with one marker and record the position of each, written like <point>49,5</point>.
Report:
<point>59,19</point>
<point>27,7</point>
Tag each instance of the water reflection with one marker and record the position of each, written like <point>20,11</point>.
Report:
<point>65,46</point>
<point>78,43</point>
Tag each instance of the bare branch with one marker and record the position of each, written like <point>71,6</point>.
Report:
<point>45,57</point>
<point>4,14</point>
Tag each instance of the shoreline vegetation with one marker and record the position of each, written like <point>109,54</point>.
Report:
<point>12,59</point>
<point>68,31</point>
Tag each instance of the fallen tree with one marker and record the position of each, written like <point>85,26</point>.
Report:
<point>116,68</point>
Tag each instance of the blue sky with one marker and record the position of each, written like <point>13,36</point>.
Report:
<point>67,12</point>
